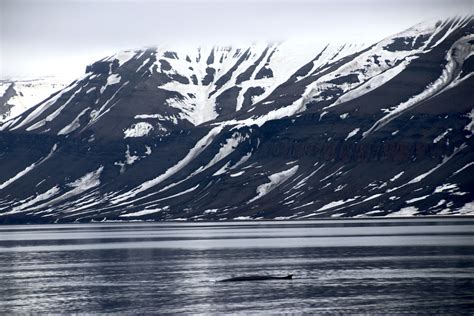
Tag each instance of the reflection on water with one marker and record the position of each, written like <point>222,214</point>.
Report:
<point>351,266</point>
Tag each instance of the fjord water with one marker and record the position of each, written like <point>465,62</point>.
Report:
<point>340,266</point>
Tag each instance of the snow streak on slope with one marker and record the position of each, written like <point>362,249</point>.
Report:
<point>275,180</point>
<point>144,212</point>
<point>74,125</point>
<point>27,169</point>
<point>17,176</point>
<point>226,149</point>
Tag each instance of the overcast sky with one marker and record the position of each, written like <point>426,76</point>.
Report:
<point>60,37</point>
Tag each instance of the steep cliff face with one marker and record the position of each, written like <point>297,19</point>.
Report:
<point>265,131</point>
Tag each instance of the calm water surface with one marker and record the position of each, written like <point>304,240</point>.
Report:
<point>422,266</point>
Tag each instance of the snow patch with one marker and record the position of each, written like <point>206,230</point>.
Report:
<point>241,161</point>
<point>446,187</point>
<point>145,212</point>
<point>416,199</point>
<point>130,159</point>
<point>353,133</point>
<point>17,176</point>
<point>90,90</point>
<point>242,218</point>
<point>226,149</point>
<point>111,80</point>
<point>470,127</point>
<point>139,129</point>
<point>73,125</point>
<point>404,212</point>
<point>395,177</point>
<point>147,150</point>
<point>275,180</point>
<point>445,160</point>
<point>334,204</point>
<point>322,114</point>
<point>89,180</point>
<point>463,168</point>
<point>372,197</point>
<point>222,170</point>
<point>467,209</point>
<point>440,137</point>
<point>123,56</point>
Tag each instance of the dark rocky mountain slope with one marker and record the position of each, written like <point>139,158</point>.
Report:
<point>288,130</point>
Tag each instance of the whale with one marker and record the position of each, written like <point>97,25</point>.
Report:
<point>257,277</point>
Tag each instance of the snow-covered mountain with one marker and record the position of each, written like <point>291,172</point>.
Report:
<point>18,95</point>
<point>284,130</point>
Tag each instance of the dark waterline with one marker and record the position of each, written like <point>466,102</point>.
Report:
<point>344,266</point>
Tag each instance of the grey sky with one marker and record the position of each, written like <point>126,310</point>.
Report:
<point>60,37</point>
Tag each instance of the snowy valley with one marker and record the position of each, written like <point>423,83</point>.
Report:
<point>19,95</point>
